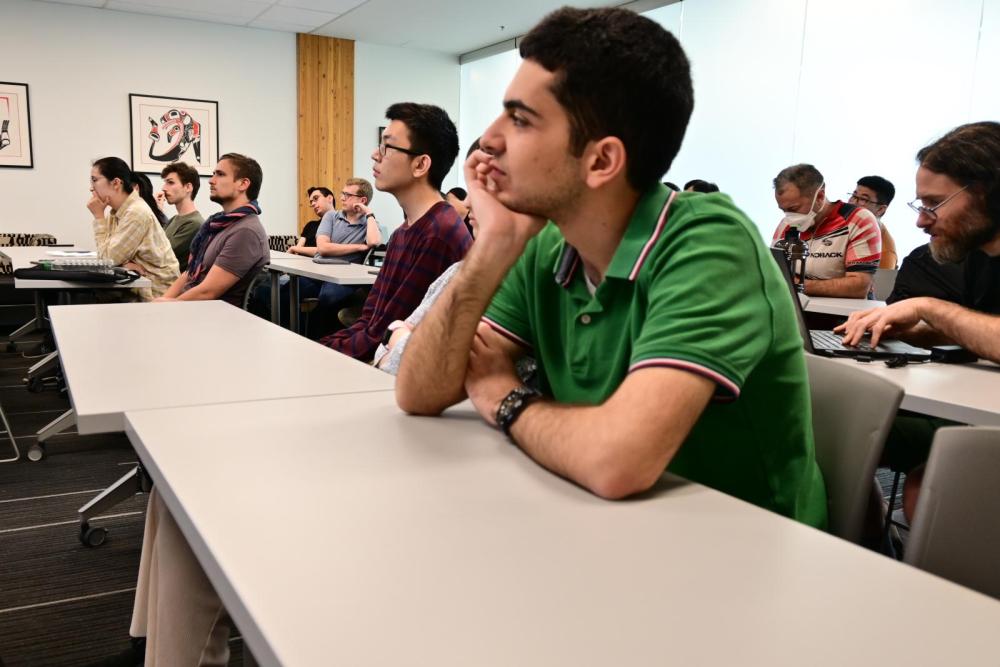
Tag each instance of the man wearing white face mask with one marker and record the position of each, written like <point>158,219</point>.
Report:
<point>845,244</point>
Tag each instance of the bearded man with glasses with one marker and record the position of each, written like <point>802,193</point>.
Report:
<point>958,205</point>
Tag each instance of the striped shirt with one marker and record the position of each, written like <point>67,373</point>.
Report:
<point>132,234</point>
<point>417,254</point>
<point>848,240</point>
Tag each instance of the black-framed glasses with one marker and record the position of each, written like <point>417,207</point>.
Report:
<point>854,198</point>
<point>931,211</point>
<point>350,194</point>
<point>383,146</point>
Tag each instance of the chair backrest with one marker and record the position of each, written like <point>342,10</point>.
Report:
<point>375,256</point>
<point>884,281</point>
<point>956,529</point>
<point>852,412</point>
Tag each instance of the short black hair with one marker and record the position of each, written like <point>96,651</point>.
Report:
<point>970,156</point>
<point>805,177</point>
<point>185,173</point>
<point>458,192</point>
<point>617,74</point>
<point>326,192</point>
<point>699,185</point>
<point>884,189</point>
<point>431,132</point>
<point>246,167</point>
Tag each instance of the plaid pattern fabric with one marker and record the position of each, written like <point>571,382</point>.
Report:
<point>132,234</point>
<point>416,256</point>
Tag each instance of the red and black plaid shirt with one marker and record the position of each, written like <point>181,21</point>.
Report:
<point>417,254</point>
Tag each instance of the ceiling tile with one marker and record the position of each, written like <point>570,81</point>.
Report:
<point>330,6</point>
<point>303,20</point>
<point>84,3</point>
<point>223,11</point>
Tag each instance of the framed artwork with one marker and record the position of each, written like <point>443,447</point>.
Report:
<point>15,126</point>
<point>168,129</point>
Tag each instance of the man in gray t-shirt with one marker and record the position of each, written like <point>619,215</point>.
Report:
<point>231,246</point>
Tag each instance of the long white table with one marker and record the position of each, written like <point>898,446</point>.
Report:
<point>137,356</point>
<point>23,257</point>
<point>967,393</point>
<point>340,274</point>
<point>836,306</point>
<point>382,539</point>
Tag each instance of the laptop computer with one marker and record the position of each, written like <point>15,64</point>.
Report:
<point>828,343</point>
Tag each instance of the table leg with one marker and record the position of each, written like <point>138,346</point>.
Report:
<point>293,303</point>
<point>275,300</point>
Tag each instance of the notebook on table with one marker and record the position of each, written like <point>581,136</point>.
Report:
<point>829,344</point>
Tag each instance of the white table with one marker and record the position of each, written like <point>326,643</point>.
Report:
<point>23,257</point>
<point>137,356</point>
<point>429,541</point>
<point>836,306</point>
<point>967,393</point>
<point>340,274</point>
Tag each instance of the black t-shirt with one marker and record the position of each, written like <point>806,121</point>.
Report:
<point>920,275</point>
<point>982,283</point>
<point>309,233</point>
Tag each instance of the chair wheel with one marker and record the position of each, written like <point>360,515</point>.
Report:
<point>35,385</point>
<point>93,537</point>
<point>36,452</point>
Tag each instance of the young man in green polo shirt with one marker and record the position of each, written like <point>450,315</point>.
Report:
<point>664,335</point>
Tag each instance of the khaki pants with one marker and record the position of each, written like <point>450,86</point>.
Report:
<point>176,608</point>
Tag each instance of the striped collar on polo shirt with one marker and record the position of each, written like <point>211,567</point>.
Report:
<point>644,229</point>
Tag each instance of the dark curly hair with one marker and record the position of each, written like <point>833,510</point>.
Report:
<point>970,156</point>
<point>617,74</point>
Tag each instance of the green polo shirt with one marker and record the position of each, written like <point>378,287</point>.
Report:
<point>691,286</point>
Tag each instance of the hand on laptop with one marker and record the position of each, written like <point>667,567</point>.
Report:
<point>888,322</point>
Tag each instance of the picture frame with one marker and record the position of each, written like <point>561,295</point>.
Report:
<point>169,129</point>
<point>15,126</point>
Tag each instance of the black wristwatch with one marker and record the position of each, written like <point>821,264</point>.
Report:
<point>513,405</point>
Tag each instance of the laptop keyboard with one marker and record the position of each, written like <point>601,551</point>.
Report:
<point>827,340</point>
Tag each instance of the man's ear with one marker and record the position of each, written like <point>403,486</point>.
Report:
<point>882,208</point>
<point>603,161</point>
<point>421,166</point>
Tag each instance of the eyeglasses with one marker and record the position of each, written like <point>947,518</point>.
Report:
<point>345,195</point>
<point>931,211</point>
<point>382,147</point>
<point>864,200</point>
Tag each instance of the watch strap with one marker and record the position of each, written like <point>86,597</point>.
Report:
<point>513,405</point>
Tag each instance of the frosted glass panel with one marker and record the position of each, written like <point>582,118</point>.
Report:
<point>986,94</point>
<point>483,85</point>
<point>744,60</point>
<point>870,99</point>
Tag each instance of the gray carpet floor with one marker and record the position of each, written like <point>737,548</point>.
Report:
<point>62,603</point>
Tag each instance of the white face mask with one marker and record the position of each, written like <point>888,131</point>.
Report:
<point>803,221</point>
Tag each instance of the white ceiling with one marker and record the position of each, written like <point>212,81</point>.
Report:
<point>448,26</point>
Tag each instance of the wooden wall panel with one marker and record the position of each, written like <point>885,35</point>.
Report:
<point>326,115</point>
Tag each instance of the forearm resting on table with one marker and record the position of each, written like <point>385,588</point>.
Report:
<point>853,285</point>
<point>975,331</point>
<point>621,447</point>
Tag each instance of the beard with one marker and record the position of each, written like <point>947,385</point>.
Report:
<point>974,231</point>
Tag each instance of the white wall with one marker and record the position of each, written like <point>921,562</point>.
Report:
<point>853,86</point>
<point>384,75</point>
<point>81,64</point>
